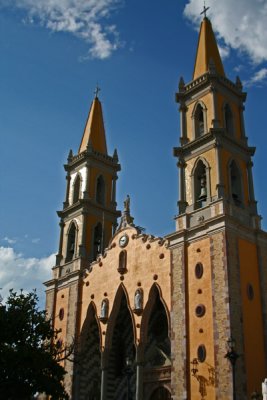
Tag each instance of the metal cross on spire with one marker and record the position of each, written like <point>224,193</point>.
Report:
<point>97,90</point>
<point>205,9</point>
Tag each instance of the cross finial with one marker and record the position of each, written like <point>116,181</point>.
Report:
<point>205,9</point>
<point>97,90</point>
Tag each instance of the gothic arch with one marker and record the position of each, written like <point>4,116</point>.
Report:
<point>161,392</point>
<point>235,178</point>
<point>228,119</point>
<point>76,193</point>
<point>155,291</point>
<point>114,314</point>
<point>200,182</point>
<point>88,359</point>
<point>72,235</point>
<point>199,119</point>
<point>156,344</point>
<point>100,191</point>
<point>120,346</point>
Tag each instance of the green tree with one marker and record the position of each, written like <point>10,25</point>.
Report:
<point>29,351</point>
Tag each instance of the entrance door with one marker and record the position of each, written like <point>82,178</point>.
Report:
<point>161,393</point>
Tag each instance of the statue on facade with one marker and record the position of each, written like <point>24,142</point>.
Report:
<point>104,309</point>
<point>138,300</point>
<point>127,203</point>
<point>264,389</point>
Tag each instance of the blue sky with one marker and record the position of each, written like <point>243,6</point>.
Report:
<point>52,56</point>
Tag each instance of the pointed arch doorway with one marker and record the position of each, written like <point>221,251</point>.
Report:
<point>161,393</point>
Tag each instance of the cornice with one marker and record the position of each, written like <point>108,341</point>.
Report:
<point>205,80</point>
<point>217,137</point>
<point>82,207</point>
<point>92,155</point>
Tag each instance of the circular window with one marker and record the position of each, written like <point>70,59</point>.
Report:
<point>200,310</point>
<point>250,291</point>
<point>61,314</point>
<point>201,353</point>
<point>199,270</point>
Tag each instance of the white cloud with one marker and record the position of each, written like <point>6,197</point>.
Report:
<point>9,240</point>
<point>83,18</point>
<point>17,272</point>
<point>241,24</point>
<point>259,77</point>
<point>36,240</point>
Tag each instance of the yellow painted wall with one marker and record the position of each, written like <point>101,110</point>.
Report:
<point>252,316</point>
<point>199,251</point>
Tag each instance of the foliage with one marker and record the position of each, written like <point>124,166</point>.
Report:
<point>29,352</point>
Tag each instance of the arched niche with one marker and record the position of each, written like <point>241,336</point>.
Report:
<point>76,194</point>
<point>199,120</point>
<point>98,240</point>
<point>71,241</point>
<point>100,190</point>
<point>228,119</point>
<point>236,184</point>
<point>200,176</point>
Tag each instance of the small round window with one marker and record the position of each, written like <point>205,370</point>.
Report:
<point>200,310</point>
<point>199,270</point>
<point>201,353</point>
<point>61,314</point>
<point>250,291</point>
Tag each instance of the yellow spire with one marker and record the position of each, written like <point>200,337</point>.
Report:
<point>94,131</point>
<point>207,51</point>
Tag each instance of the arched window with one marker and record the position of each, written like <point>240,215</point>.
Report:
<point>71,242</point>
<point>76,189</point>
<point>98,240</point>
<point>228,120</point>
<point>201,184</point>
<point>236,184</point>
<point>199,120</point>
<point>100,190</point>
<point>122,262</point>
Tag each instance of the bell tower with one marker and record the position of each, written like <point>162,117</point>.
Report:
<point>218,249</point>
<point>87,222</point>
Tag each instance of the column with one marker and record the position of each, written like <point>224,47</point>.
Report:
<point>215,120</point>
<point>183,126</point>
<point>104,374</point>
<point>59,255</point>
<point>113,195</point>
<point>252,200</point>
<point>139,373</point>
<point>87,177</point>
<point>82,247</point>
<point>66,202</point>
<point>220,185</point>
<point>242,123</point>
<point>182,197</point>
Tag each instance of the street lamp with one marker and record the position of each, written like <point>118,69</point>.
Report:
<point>232,356</point>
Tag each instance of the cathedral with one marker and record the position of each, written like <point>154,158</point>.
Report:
<point>179,317</point>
